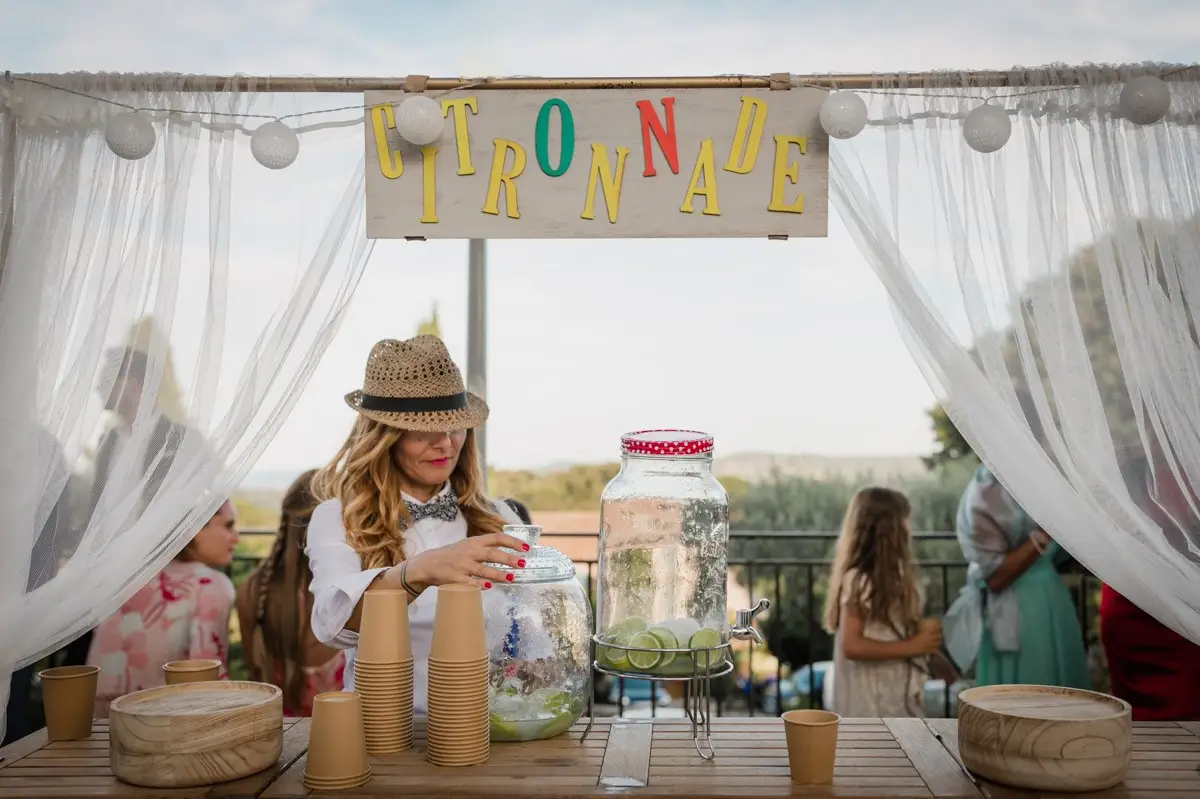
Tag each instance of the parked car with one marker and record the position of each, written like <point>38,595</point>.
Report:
<point>795,689</point>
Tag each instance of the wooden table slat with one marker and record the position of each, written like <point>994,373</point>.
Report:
<point>942,773</point>
<point>627,758</point>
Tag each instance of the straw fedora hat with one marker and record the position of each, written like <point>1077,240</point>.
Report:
<point>413,385</point>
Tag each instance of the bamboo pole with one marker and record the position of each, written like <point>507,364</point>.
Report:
<point>1065,77</point>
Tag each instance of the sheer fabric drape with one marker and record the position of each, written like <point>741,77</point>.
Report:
<point>229,280</point>
<point>1049,291</point>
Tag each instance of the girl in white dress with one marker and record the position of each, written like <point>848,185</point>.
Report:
<point>873,609</point>
<point>402,504</point>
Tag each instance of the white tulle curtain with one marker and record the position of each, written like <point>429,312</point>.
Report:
<point>228,278</point>
<point>1050,291</point>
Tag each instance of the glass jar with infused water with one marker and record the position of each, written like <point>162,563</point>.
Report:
<point>664,535</point>
<point>538,627</point>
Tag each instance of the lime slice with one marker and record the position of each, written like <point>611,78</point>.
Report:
<point>503,730</point>
<point>611,656</point>
<point>704,638</point>
<point>556,726</point>
<point>559,703</point>
<point>629,626</point>
<point>666,640</point>
<point>644,661</point>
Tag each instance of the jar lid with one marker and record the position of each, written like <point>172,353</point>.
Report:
<point>667,443</point>
<point>542,564</point>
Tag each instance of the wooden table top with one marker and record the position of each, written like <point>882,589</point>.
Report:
<point>876,759</point>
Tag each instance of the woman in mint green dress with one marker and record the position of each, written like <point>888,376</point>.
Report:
<point>1014,619</point>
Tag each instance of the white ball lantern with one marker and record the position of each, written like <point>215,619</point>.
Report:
<point>1145,99</point>
<point>987,128</point>
<point>275,145</point>
<point>843,115</point>
<point>130,135</point>
<point>419,120</point>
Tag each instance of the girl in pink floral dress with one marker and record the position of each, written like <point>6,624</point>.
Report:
<point>182,614</point>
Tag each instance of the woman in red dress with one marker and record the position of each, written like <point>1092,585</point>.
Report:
<point>1152,667</point>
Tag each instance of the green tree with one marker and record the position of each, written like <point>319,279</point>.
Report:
<point>577,487</point>
<point>1084,282</point>
<point>952,446</point>
<point>792,627</point>
<point>430,326</point>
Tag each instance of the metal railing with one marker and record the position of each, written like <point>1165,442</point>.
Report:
<point>775,577</point>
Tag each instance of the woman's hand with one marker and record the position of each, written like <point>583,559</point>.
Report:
<point>463,562</point>
<point>1041,539</point>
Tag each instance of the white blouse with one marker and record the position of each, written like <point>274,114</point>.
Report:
<point>339,582</point>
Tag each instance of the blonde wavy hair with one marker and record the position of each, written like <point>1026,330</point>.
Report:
<point>367,480</point>
<point>875,543</point>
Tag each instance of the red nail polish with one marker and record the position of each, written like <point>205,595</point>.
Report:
<point>525,547</point>
<point>521,563</point>
<point>509,577</point>
<point>487,585</point>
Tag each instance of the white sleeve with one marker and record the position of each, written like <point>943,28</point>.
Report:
<point>338,580</point>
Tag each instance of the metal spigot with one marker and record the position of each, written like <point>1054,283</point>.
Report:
<point>743,628</point>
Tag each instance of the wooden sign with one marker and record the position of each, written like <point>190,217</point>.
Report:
<point>602,163</point>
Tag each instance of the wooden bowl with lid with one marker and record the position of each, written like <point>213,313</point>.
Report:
<point>1045,738</point>
<point>199,733</point>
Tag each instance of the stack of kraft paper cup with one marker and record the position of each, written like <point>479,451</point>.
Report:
<point>459,732</point>
<point>383,672</point>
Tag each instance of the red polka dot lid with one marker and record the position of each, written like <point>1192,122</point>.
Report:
<point>667,443</point>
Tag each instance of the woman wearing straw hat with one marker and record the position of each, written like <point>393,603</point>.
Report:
<point>402,501</point>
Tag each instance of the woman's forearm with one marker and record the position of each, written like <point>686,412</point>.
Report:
<point>1016,562</point>
<point>355,620</point>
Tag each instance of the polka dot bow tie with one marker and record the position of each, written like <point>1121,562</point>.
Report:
<point>444,508</point>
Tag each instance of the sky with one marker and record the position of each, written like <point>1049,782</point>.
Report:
<point>784,347</point>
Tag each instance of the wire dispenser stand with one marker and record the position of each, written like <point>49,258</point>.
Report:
<point>706,665</point>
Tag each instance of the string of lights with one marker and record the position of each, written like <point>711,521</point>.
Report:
<point>420,118</point>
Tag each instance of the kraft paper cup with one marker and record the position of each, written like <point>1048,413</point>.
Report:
<point>369,669</point>
<point>382,683</point>
<point>475,683</point>
<point>458,631</point>
<point>462,752</point>
<point>458,666</point>
<point>460,735</point>
<point>315,784</point>
<point>383,634</point>
<point>459,758</point>
<point>458,704</point>
<point>395,677</point>
<point>337,746</point>
<point>474,702</point>
<point>69,695</point>
<point>811,745</point>
<point>178,672</point>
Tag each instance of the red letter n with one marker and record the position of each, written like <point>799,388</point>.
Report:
<point>665,138</point>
